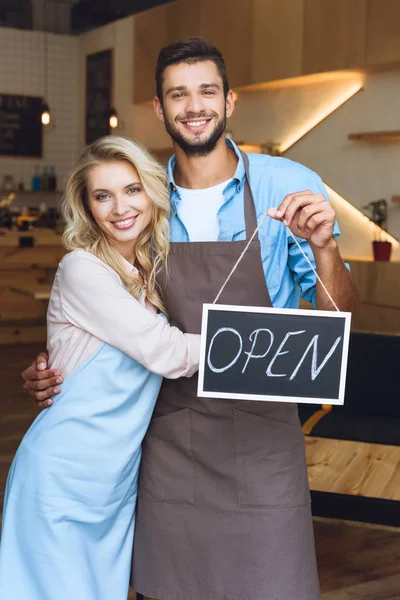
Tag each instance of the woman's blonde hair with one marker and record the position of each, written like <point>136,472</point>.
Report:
<point>82,231</point>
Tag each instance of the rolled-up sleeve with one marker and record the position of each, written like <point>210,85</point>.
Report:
<point>94,299</point>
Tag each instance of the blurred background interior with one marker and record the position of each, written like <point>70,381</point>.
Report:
<point>316,81</point>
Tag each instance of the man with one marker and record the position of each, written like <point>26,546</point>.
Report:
<point>224,506</point>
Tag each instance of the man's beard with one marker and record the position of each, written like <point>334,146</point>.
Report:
<point>201,148</point>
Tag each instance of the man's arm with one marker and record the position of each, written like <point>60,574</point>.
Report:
<point>337,279</point>
<point>311,217</point>
<point>41,383</point>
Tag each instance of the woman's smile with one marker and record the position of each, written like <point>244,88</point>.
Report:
<point>126,223</point>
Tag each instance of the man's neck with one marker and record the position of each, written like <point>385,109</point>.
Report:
<point>200,172</point>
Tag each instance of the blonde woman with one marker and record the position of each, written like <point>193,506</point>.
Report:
<point>68,518</point>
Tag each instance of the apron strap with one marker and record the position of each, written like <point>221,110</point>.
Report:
<point>250,215</point>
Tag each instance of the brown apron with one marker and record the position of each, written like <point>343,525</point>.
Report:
<point>224,506</point>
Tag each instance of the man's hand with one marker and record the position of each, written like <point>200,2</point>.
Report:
<point>41,383</point>
<point>309,216</point>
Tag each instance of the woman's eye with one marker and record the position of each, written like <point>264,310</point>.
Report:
<point>133,190</point>
<point>102,197</point>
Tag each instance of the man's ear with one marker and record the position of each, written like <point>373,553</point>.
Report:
<point>158,109</point>
<point>230,103</point>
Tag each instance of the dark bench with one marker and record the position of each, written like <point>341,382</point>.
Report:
<point>371,412</point>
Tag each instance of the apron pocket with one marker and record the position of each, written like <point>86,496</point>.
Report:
<point>167,472</point>
<point>271,467</point>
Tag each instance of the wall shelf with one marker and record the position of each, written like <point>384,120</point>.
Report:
<point>376,136</point>
<point>31,192</point>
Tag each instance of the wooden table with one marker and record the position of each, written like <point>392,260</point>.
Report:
<point>38,291</point>
<point>23,258</point>
<point>42,237</point>
<point>353,468</point>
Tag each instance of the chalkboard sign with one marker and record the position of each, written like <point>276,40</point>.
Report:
<point>20,125</point>
<point>272,354</point>
<point>98,94</point>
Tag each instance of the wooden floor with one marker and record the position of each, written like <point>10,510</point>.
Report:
<point>355,561</point>
<point>354,468</point>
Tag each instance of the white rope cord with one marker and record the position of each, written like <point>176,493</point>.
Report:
<point>301,250</point>
<point>240,258</point>
<point>316,274</point>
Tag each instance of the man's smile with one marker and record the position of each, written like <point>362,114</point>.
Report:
<point>196,125</point>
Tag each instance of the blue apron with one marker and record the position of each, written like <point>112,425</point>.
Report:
<point>69,507</point>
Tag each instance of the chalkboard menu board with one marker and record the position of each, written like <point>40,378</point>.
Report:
<point>98,94</point>
<point>20,125</point>
<point>273,354</point>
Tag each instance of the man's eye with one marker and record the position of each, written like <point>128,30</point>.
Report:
<point>178,95</point>
<point>209,92</point>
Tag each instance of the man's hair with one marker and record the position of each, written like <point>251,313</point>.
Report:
<point>190,51</point>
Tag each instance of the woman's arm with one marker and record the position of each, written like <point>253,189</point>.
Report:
<point>94,300</point>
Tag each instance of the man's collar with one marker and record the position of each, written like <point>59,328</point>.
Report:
<point>239,173</point>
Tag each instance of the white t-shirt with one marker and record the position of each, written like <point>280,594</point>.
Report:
<point>198,211</point>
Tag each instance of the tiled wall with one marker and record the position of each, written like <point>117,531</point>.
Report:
<point>22,72</point>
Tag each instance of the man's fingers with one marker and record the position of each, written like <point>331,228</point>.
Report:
<point>300,202</point>
<point>50,374</point>
<point>45,397</point>
<point>41,361</point>
<point>31,374</point>
<point>39,385</point>
<point>281,210</point>
<point>38,366</point>
<point>45,404</point>
<point>305,214</point>
<point>317,220</point>
<point>280,213</point>
<point>42,383</point>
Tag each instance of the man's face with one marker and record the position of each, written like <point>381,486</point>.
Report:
<point>194,108</point>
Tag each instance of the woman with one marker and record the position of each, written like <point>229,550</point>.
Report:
<point>68,518</point>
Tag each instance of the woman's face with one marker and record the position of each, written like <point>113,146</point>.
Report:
<point>119,204</point>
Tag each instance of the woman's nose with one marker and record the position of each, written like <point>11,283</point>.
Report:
<point>120,206</point>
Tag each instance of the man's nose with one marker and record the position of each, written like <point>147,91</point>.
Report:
<point>194,104</point>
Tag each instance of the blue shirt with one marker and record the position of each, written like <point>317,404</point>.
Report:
<point>287,273</point>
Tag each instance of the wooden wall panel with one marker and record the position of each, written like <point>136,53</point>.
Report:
<point>334,35</point>
<point>379,296</point>
<point>183,19</point>
<point>277,50</point>
<point>268,40</point>
<point>378,282</point>
<point>149,35</point>
<point>382,32</point>
<point>228,25</point>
